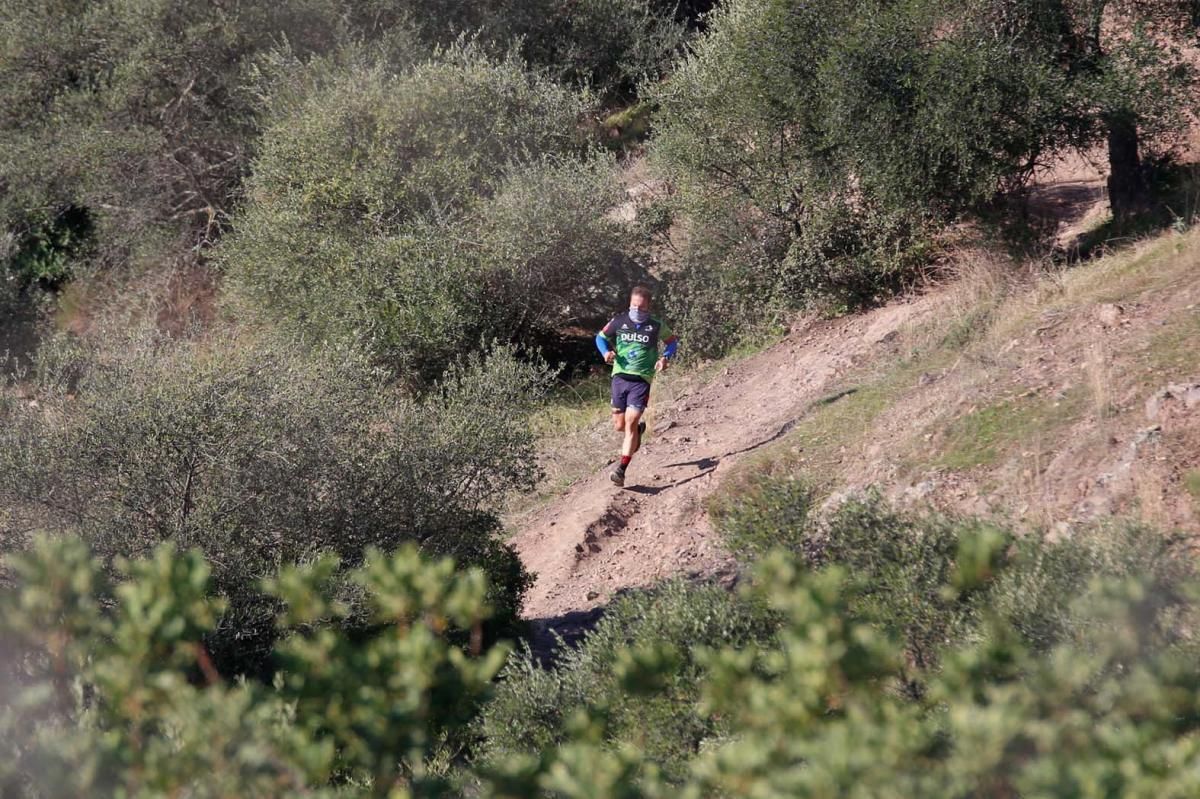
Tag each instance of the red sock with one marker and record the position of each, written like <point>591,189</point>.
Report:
<point>625,459</point>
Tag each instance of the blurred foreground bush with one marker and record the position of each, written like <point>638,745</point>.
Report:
<point>791,688</point>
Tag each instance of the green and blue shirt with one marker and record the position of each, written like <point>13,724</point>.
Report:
<point>636,344</point>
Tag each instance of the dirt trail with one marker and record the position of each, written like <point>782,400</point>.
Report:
<point>596,539</point>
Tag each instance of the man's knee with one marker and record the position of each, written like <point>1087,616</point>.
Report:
<point>618,421</point>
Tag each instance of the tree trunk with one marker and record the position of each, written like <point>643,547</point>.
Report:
<point>1127,189</point>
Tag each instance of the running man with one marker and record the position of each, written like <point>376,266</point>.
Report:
<point>630,343</point>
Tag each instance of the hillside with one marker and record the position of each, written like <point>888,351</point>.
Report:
<point>304,440</point>
<point>1054,400</point>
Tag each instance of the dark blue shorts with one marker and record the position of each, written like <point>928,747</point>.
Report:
<point>629,392</point>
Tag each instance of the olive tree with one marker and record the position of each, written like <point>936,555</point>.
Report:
<point>818,147</point>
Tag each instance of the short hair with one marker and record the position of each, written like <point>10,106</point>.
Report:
<point>641,291</point>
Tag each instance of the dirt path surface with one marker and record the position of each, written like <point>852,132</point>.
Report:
<point>1055,401</point>
<point>596,539</point>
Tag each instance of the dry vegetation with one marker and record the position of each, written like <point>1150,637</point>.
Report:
<point>1000,394</point>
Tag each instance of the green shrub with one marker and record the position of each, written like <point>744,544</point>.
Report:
<point>260,455</point>
<point>149,113</point>
<point>847,134</point>
<point>119,698</point>
<point>1001,721</point>
<point>146,113</point>
<point>45,255</point>
<point>418,213</point>
<point>784,690</point>
<point>904,562</point>
<point>821,711</point>
<point>610,45</point>
<point>851,253</point>
<point>938,107</point>
<point>533,709</point>
<point>725,290</point>
<point>741,132</point>
<point>1032,583</point>
<point>552,258</point>
<point>763,514</point>
<point>1038,594</point>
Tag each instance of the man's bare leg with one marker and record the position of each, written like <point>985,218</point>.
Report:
<point>630,423</point>
<point>633,435</point>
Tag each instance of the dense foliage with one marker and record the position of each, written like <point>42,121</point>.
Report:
<point>265,557</point>
<point>353,716</point>
<point>814,150</point>
<point>610,45</point>
<point>930,591</point>
<point>423,212</point>
<point>141,116</point>
<point>905,561</point>
<point>534,708</point>
<point>262,455</point>
<point>128,127</point>
<point>797,686</point>
<point>818,146</point>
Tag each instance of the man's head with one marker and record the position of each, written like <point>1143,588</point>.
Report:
<point>640,298</point>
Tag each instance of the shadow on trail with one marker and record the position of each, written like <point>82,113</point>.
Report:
<point>707,464</point>
<point>547,636</point>
<point>551,637</point>
<point>654,491</point>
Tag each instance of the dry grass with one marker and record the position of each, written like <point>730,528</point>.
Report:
<point>1023,371</point>
<point>1097,366</point>
<point>1149,494</point>
<point>1036,490</point>
<point>977,283</point>
<point>177,299</point>
<point>1191,484</point>
<point>1153,263</point>
<point>985,436</point>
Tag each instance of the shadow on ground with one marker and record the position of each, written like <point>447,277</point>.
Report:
<point>18,335</point>
<point>708,464</point>
<point>548,636</point>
